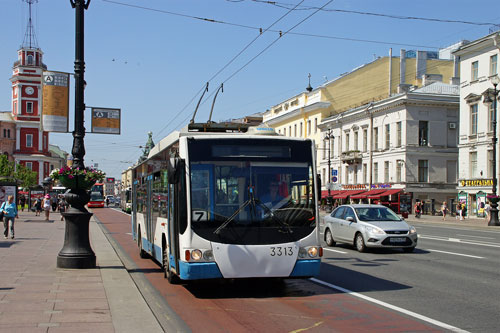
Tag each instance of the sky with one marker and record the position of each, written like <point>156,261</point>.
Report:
<point>152,58</point>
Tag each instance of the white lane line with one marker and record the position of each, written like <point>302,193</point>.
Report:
<point>343,252</point>
<point>456,240</point>
<point>476,236</point>
<point>456,254</point>
<point>390,306</point>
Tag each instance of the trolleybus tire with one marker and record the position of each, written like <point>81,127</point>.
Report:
<point>167,273</point>
<point>143,254</point>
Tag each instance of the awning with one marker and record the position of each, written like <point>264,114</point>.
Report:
<point>389,192</point>
<point>366,194</point>
<point>347,193</point>
<point>324,194</point>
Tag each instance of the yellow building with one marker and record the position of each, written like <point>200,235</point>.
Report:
<point>300,115</point>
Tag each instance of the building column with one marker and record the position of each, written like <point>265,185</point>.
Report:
<point>18,138</point>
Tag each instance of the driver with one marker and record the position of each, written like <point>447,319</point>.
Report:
<point>272,197</point>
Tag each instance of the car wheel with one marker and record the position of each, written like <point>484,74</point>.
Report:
<point>359,242</point>
<point>329,238</point>
<point>409,249</point>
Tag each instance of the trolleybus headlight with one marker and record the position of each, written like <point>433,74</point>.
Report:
<point>302,252</point>
<point>196,255</point>
<point>312,251</point>
<point>208,255</point>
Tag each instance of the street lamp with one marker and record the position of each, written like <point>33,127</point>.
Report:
<point>491,97</point>
<point>76,251</point>
<point>328,136</point>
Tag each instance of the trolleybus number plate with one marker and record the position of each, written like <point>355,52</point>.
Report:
<point>279,251</point>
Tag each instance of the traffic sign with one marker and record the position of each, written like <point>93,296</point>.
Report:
<point>334,172</point>
<point>334,179</point>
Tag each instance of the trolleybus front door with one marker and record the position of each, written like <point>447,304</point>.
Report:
<point>134,211</point>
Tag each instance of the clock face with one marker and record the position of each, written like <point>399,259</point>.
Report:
<point>29,90</point>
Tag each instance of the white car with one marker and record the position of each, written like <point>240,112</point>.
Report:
<point>369,226</point>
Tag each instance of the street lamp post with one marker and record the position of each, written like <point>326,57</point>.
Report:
<point>327,138</point>
<point>492,97</point>
<point>76,251</point>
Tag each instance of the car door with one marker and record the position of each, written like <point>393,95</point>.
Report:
<point>334,222</point>
<point>349,228</point>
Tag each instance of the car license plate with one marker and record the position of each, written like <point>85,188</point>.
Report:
<point>398,240</point>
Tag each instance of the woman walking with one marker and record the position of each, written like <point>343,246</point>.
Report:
<point>444,209</point>
<point>9,210</point>
<point>46,206</point>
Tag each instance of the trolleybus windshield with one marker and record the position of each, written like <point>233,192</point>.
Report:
<point>245,196</point>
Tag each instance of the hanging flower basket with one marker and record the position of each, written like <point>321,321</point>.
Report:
<point>76,178</point>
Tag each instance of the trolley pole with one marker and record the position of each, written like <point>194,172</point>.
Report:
<point>77,252</point>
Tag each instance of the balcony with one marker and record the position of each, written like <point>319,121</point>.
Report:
<point>351,157</point>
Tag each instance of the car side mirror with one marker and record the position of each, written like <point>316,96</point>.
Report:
<point>350,219</point>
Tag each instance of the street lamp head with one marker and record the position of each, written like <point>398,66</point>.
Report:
<point>495,80</point>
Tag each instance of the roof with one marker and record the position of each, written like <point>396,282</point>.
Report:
<point>439,88</point>
<point>57,151</point>
<point>6,116</point>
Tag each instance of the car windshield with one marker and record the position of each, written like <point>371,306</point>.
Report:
<point>377,214</point>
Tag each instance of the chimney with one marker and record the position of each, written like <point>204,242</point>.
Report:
<point>431,78</point>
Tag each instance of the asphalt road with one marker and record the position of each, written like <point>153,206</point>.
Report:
<point>453,275</point>
<point>448,283</point>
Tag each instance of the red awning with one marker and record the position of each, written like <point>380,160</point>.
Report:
<point>366,194</point>
<point>347,193</point>
<point>389,192</point>
<point>324,194</point>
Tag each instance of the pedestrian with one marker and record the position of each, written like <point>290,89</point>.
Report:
<point>459,211</point>
<point>38,206</point>
<point>418,209</point>
<point>487,212</point>
<point>22,202</point>
<point>46,206</point>
<point>9,209</point>
<point>464,211</point>
<point>62,207</point>
<point>444,209</point>
<point>53,202</point>
<point>107,201</point>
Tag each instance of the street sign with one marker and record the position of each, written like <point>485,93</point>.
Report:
<point>106,121</point>
<point>334,179</point>
<point>334,172</point>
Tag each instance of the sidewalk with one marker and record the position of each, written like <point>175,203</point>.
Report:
<point>36,296</point>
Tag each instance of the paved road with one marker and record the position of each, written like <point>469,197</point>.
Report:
<point>237,306</point>
<point>452,276</point>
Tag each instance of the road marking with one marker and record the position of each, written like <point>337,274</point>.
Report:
<point>307,328</point>
<point>343,252</point>
<point>476,236</point>
<point>456,240</point>
<point>390,306</point>
<point>456,254</point>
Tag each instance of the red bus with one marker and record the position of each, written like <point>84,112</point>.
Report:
<point>96,196</point>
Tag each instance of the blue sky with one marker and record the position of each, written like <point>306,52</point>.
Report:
<point>153,61</point>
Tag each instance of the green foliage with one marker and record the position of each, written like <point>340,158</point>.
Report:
<point>18,172</point>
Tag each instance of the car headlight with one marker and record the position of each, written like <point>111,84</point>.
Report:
<point>374,230</point>
<point>196,255</point>
<point>413,230</point>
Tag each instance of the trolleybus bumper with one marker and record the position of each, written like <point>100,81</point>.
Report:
<point>198,271</point>
<point>306,268</point>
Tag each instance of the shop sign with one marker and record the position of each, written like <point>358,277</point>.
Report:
<point>381,186</point>
<point>354,187</point>
<point>476,182</point>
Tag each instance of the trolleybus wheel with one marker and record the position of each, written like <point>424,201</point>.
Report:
<point>143,254</point>
<point>167,273</point>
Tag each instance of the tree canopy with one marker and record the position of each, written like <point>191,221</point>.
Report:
<point>17,172</point>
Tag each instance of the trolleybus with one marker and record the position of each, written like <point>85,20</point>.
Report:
<point>228,201</point>
<point>126,200</point>
<point>96,196</point>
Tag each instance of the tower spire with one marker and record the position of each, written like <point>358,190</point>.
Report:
<point>30,37</point>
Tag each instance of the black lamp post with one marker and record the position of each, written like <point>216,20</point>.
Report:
<point>327,138</point>
<point>491,97</point>
<point>76,252</point>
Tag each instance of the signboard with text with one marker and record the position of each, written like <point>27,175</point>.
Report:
<point>106,121</point>
<point>55,101</point>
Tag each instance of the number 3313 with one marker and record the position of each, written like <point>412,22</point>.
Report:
<point>281,251</point>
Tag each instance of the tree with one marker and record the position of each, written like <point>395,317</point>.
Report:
<point>17,172</point>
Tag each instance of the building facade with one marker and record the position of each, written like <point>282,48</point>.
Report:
<point>407,143</point>
<point>7,135</point>
<point>478,65</point>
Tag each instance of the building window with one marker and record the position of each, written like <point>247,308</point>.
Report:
<point>474,71</point>
<point>309,127</point>
<point>295,130</point>
<point>4,133</point>
<point>387,136</point>
<point>346,175</point>
<point>29,166</point>
<point>490,163</point>
<point>365,173</point>
<point>355,174</point>
<point>324,178</point>
<point>386,171</point>
<point>29,107</point>
<point>324,149</point>
<point>423,171</point>
<point>375,172</point>
<point>290,130</point>
<point>375,138</point>
<point>356,138</point>
<point>44,142</point>
<point>423,133</point>
<point>399,130</point>
<point>493,64</point>
<point>473,119</point>
<point>398,170</point>
<point>315,125</point>
<point>284,131</point>
<point>30,60</point>
<point>8,133</point>
<point>347,142</point>
<point>365,140</point>
<point>29,140</point>
<point>300,129</point>
<point>473,165</point>
<point>491,116</point>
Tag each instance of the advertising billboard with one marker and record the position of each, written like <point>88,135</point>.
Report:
<point>106,121</point>
<point>55,101</point>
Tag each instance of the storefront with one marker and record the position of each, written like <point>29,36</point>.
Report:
<point>472,193</point>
